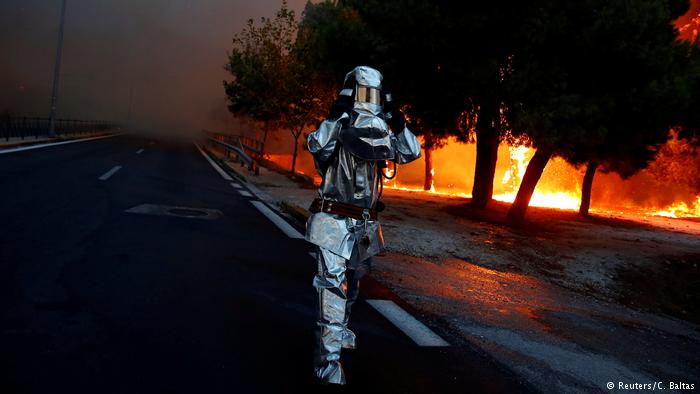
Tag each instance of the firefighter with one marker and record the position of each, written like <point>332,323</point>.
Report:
<point>350,148</point>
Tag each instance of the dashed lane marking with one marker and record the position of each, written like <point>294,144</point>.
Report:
<point>138,152</point>
<point>417,331</point>
<point>278,221</point>
<point>109,173</point>
<point>216,166</point>
<point>245,193</point>
<point>38,146</point>
<point>236,185</point>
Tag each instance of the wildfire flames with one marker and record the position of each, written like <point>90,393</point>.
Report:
<point>547,195</point>
<point>519,158</point>
<point>560,186</point>
<point>680,210</point>
<point>690,29</point>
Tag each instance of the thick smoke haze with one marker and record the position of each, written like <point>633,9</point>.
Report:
<point>167,55</point>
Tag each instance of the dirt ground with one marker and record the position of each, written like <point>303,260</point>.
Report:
<point>569,304</point>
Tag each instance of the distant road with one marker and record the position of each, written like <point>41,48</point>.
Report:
<point>132,266</point>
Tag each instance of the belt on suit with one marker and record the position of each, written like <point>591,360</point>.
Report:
<point>343,209</point>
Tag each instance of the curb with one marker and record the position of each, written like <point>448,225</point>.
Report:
<point>293,213</point>
<point>29,142</point>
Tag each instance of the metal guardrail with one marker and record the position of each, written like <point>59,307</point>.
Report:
<point>252,146</point>
<point>24,127</point>
<point>233,144</point>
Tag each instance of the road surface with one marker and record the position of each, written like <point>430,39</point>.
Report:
<point>103,290</point>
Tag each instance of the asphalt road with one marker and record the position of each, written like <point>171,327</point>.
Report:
<point>94,299</point>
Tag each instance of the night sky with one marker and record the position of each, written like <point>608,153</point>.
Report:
<point>171,52</point>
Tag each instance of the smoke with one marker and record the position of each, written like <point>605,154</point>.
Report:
<point>157,63</point>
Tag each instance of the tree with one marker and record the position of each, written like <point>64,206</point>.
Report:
<point>308,95</point>
<point>426,86</point>
<point>272,84</point>
<point>255,62</point>
<point>387,35</point>
<point>452,58</point>
<point>483,38</point>
<point>591,84</point>
<point>643,115</point>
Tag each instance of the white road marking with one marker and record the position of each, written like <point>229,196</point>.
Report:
<point>109,173</point>
<point>245,193</point>
<point>421,335</point>
<point>216,166</point>
<point>278,221</point>
<point>38,146</point>
<point>237,186</point>
<point>138,152</point>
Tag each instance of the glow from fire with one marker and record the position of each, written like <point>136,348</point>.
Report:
<point>680,210</point>
<point>560,186</point>
<point>547,196</point>
<point>689,30</point>
<point>518,163</point>
<point>432,180</point>
<point>519,158</point>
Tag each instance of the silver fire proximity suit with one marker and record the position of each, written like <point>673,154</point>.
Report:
<point>349,149</point>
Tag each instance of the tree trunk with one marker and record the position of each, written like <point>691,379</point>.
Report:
<point>532,175</point>
<point>428,184</point>
<point>586,188</point>
<point>294,155</point>
<point>487,136</point>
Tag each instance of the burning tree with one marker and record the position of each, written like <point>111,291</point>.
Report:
<point>485,35</point>
<point>346,34</point>
<point>446,61</point>
<point>427,77</point>
<point>596,82</point>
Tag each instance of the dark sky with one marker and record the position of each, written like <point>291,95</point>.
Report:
<point>171,52</point>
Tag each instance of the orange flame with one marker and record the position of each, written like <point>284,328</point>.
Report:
<point>560,186</point>
<point>680,210</point>
<point>548,195</point>
<point>519,158</point>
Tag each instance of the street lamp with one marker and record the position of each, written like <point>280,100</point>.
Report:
<point>56,72</point>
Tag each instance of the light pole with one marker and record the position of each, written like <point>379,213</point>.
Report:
<point>56,72</point>
<point>131,100</point>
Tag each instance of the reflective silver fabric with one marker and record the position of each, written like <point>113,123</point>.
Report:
<point>406,147</point>
<point>331,285</point>
<point>337,283</point>
<point>346,243</point>
<point>366,76</point>
<point>349,179</point>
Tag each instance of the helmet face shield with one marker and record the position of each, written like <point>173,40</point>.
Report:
<point>366,94</point>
